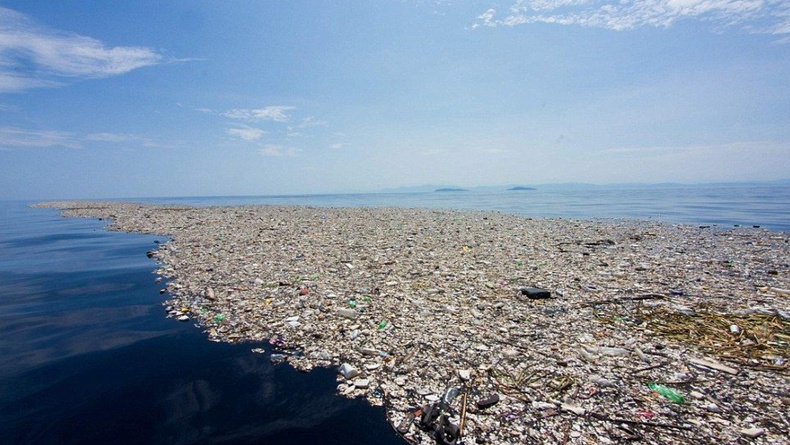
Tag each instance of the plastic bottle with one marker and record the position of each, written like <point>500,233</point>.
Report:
<point>671,395</point>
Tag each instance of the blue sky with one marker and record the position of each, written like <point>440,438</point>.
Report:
<point>151,98</point>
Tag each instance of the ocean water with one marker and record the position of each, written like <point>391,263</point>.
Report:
<point>88,357</point>
<point>746,205</point>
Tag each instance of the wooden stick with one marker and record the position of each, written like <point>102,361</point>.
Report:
<point>463,416</point>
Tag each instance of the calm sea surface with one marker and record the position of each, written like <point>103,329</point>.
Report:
<point>767,206</point>
<point>87,356</point>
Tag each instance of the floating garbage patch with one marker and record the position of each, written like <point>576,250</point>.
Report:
<point>482,327</point>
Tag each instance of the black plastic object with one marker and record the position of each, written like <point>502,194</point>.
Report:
<point>446,431</point>
<point>535,293</point>
<point>429,415</point>
<point>488,402</point>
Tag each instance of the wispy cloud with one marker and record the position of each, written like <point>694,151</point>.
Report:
<point>118,138</point>
<point>338,145</point>
<point>278,151</point>
<point>17,138</point>
<point>308,122</point>
<point>11,137</point>
<point>246,133</point>
<point>762,16</point>
<point>35,56</point>
<point>276,113</point>
<point>111,137</point>
<point>311,122</point>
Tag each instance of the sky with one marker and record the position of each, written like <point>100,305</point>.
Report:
<point>147,98</point>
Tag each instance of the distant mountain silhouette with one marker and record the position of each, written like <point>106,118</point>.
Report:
<point>450,189</point>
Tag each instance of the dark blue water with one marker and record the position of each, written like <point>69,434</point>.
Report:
<point>87,356</point>
<point>765,205</point>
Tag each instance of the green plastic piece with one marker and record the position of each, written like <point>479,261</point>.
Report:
<point>219,317</point>
<point>671,395</point>
<point>383,324</point>
<point>352,303</point>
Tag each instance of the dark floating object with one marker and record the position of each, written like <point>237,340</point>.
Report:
<point>520,188</point>
<point>429,414</point>
<point>446,432</point>
<point>488,402</point>
<point>534,293</point>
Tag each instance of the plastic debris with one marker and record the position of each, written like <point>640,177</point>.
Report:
<point>348,371</point>
<point>488,402</point>
<point>534,293</point>
<point>638,298</point>
<point>753,433</point>
<point>670,394</point>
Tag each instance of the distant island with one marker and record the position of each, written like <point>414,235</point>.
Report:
<point>522,188</point>
<point>450,189</point>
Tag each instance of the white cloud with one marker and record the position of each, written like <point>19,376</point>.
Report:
<point>338,145</point>
<point>276,113</point>
<point>278,151</point>
<point>246,133</point>
<point>486,19</point>
<point>764,16</point>
<point>11,137</point>
<point>35,56</point>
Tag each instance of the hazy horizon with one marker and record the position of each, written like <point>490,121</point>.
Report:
<point>431,188</point>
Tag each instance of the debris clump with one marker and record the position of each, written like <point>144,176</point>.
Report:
<point>483,327</point>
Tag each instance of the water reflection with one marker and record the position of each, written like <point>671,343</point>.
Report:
<point>158,391</point>
<point>87,356</point>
